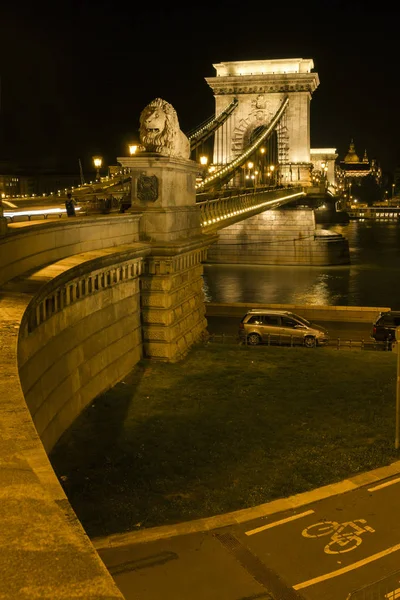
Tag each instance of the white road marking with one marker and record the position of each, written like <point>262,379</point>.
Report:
<point>281,522</point>
<point>347,569</point>
<point>383,485</point>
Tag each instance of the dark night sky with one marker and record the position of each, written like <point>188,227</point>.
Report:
<point>76,75</point>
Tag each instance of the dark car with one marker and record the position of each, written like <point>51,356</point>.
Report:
<point>384,328</point>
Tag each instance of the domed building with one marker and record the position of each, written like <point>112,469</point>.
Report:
<point>351,171</point>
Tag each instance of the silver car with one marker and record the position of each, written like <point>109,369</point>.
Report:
<point>280,327</point>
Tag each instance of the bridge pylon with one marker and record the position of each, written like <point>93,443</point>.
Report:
<point>260,87</point>
<point>172,301</point>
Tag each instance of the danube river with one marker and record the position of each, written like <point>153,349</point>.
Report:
<point>372,278</point>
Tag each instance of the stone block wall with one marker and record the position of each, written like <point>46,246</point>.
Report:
<point>172,304</point>
<point>77,340</point>
<point>278,237</point>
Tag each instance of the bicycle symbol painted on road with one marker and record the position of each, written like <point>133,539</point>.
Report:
<point>344,536</point>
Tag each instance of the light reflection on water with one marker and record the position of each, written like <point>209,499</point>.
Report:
<point>372,278</point>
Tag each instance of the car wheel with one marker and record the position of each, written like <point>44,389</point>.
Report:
<point>253,339</point>
<point>310,342</point>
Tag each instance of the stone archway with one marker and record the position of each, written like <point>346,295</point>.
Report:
<point>260,88</point>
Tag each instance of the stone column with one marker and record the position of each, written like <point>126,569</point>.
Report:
<point>173,311</point>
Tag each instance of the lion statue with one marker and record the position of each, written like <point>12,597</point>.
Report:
<point>160,132</point>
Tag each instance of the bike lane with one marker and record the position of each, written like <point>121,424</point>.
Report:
<point>330,548</point>
<point>321,544</point>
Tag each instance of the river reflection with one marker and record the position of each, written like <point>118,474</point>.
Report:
<point>372,278</point>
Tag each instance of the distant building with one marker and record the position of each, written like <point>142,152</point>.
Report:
<point>352,169</point>
<point>17,180</point>
<point>359,180</point>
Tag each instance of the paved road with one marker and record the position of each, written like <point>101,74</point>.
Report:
<point>326,545</point>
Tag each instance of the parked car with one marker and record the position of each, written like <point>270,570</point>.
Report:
<point>384,327</point>
<point>280,327</point>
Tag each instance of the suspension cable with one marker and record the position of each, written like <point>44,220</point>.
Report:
<point>229,169</point>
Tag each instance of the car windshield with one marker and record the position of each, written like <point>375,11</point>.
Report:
<point>301,319</point>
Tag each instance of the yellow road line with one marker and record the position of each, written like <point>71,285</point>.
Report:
<point>347,569</point>
<point>383,485</point>
<point>281,522</point>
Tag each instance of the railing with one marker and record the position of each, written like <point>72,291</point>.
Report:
<point>78,288</point>
<point>292,341</point>
<point>213,212</point>
<point>209,127</point>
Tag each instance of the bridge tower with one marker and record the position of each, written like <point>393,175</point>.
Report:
<point>260,87</point>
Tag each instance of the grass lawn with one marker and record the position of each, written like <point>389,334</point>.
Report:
<point>227,428</point>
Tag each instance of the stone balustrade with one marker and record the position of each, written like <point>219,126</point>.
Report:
<point>78,288</point>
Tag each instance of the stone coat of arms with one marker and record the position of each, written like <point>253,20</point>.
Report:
<point>147,188</point>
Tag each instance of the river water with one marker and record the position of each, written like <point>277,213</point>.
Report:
<point>372,278</point>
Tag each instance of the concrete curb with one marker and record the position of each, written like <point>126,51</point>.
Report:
<point>248,514</point>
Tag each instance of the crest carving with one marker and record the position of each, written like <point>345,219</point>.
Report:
<point>260,102</point>
<point>147,188</point>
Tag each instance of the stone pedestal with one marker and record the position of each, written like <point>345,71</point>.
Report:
<point>173,311</point>
<point>163,189</point>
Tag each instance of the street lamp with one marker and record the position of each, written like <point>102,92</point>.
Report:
<point>262,165</point>
<point>250,165</point>
<point>97,161</point>
<point>272,169</point>
<point>255,178</point>
<point>132,149</point>
<point>393,186</point>
<point>204,162</point>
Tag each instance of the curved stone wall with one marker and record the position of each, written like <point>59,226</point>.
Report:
<point>27,248</point>
<point>69,330</point>
<point>79,336</point>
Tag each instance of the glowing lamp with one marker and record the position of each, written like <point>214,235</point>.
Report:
<point>97,161</point>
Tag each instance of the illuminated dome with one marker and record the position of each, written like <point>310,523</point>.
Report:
<point>351,156</point>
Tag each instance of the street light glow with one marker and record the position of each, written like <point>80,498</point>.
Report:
<point>97,161</point>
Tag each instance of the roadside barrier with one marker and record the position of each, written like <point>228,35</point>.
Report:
<point>336,343</point>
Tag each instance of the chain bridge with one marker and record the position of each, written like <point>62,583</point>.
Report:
<point>85,299</point>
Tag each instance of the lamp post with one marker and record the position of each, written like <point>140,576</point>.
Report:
<point>132,149</point>
<point>256,173</point>
<point>393,186</point>
<point>397,438</point>
<point>262,165</point>
<point>204,163</point>
<point>249,176</point>
<point>272,169</point>
<point>97,161</point>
